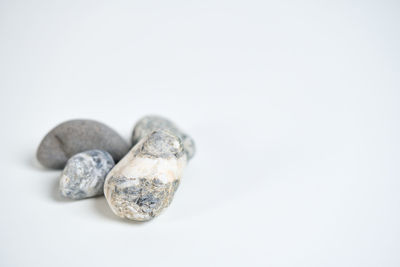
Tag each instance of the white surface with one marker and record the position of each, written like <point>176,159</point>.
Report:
<point>294,108</point>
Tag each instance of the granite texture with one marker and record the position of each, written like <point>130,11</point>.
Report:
<point>144,182</point>
<point>84,174</point>
<point>75,136</point>
<point>148,124</point>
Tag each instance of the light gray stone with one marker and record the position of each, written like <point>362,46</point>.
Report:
<point>84,174</point>
<point>148,124</point>
<point>74,136</point>
<point>144,182</point>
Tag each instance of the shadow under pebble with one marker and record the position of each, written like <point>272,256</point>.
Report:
<point>32,162</point>
<point>101,205</point>
<point>55,193</point>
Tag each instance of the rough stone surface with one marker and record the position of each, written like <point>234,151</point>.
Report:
<point>84,174</point>
<point>144,182</point>
<point>148,124</point>
<point>74,136</point>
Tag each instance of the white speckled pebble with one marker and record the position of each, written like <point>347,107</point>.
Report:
<point>84,174</point>
<point>144,182</point>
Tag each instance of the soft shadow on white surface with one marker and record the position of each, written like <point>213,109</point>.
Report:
<point>53,182</point>
<point>32,162</point>
<point>101,207</point>
<point>55,193</point>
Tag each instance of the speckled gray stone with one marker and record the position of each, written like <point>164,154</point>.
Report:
<point>144,182</point>
<point>148,124</point>
<point>74,136</point>
<point>84,174</point>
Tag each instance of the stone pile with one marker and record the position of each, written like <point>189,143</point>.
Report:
<point>138,180</point>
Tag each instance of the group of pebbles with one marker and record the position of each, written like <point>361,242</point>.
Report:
<point>138,180</point>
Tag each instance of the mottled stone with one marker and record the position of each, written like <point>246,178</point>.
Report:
<point>148,124</point>
<point>144,182</point>
<point>84,174</point>
<point>74,136</point>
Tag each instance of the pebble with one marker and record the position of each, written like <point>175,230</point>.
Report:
<point>74,136</point>
<point>148,124</point>
<point>144,182</point>
<point>84,174</point>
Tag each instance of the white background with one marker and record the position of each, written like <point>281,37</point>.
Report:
<point>294,107</point>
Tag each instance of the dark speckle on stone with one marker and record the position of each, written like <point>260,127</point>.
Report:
<point>162,144</point>
<point>84,174</point>
<point>149,124</point>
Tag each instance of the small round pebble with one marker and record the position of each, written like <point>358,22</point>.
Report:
<point>84,174</point>
<point>149,124</point>
<point>74,136</point>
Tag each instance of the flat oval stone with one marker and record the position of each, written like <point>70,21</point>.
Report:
<point>84,174</point>
<point>148,124</point>
<point>74,136</point>
<point>144,182</point>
